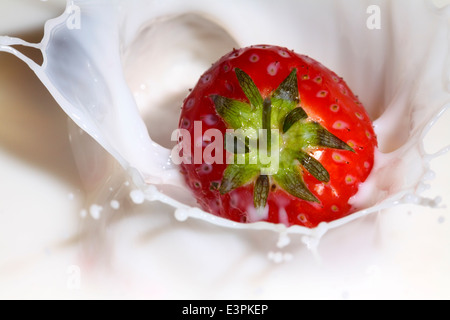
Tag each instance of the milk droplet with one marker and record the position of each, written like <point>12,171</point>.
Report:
<point>95,211</point>
<point>279,257</point>
<point>83,213</point>
<point>429,175</point>
<point>283,240</point>
<point>259,214</point>
<point>181,215</point>
<point>137,196</point>
<point>114,204</point>
<point>283,216</point>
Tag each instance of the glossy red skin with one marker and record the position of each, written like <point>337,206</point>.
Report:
<point>313,78</point>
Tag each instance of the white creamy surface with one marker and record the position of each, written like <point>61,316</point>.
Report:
<point>55,243</point>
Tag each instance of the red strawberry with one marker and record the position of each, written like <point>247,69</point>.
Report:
<point>321,145</point>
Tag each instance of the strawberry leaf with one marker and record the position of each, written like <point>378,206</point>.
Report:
<point>313,166</point>
<point>287,91</point>
<point>311,135</point>
<point>285,97</point>
<point>235,113</point>
<point>261,192</point>
<point>321,137</point>
<point>291,180</point>
<point>236,175</point>
<point>250,89</point>
<point>292,117</point>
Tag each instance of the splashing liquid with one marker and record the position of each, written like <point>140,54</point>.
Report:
<point>111,67</point>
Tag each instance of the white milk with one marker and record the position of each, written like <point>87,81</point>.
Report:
<point>120,70</point>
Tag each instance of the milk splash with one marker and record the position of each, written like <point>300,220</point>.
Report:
<point>111,66</point>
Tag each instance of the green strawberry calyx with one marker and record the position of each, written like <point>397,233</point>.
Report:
<point>277,128</point>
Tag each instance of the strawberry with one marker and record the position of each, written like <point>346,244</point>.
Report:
<point>275,137</point>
